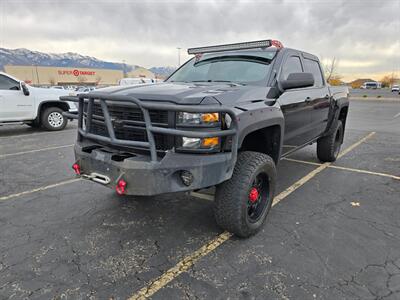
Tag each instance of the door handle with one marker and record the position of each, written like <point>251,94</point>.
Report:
<point>308,100</point>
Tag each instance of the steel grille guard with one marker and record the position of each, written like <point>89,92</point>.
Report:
<point>150,129</point>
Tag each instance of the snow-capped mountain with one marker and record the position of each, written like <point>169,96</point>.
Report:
<point>162,71</point>
<point>27,57</point>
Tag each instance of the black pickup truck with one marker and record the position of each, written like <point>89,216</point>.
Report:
<point>225,118</point>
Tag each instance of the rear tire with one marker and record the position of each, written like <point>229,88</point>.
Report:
<point>236,208</point>
<point>328,147</point>
<point>53,119</point>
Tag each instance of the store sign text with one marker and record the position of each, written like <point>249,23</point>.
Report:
<point>76,72</point>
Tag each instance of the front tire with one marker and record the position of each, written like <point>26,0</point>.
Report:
<point>53,119</point>
<point>328,147</point>
<point>243,202</point>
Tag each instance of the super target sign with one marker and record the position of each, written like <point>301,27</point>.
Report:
<point>76,72</point>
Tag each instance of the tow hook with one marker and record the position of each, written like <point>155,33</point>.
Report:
<point>100,178</point>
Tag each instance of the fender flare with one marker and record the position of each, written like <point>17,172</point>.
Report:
<point>339,105</point>
<point>247,124</point>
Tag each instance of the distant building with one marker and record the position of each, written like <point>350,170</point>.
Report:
<point>38,75</point>
<point>141,72</point>
<point>356,84</point>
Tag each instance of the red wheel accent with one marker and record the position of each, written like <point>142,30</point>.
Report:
<point>253,195</point>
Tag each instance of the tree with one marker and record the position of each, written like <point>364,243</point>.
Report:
<point>330,68</point>
<point>335,80</point>
<point>388,80</point>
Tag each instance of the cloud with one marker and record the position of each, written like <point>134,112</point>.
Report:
<point>363,35</point>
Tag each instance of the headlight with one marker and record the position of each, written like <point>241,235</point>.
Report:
<point>198,119</point>
<point>197,143</point>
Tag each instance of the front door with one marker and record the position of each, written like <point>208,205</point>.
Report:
<point>295,108</point>
<point>14,105</point>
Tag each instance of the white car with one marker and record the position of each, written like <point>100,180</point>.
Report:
<point>395,88</point>
<point>24,104</point>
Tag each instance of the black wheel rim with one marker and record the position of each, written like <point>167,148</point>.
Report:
<point>258,197</point>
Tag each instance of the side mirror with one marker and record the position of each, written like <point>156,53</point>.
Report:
<point>297,80</point>
<point>24,88</point>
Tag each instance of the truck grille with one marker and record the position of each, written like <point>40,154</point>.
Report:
<point>128,123</point>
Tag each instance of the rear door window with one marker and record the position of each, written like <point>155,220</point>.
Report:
<point>292,65</point>
<point>312,66</point>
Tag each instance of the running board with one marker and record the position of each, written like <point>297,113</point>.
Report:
<point>12,123</point>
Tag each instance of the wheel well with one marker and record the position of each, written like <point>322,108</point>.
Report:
<point>45,105</point>
<point>343,115</point>
<point>266,140</point>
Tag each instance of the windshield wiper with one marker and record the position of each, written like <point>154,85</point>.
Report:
<point>227,81</point>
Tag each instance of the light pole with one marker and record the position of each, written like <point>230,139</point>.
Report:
<point>124,68</point>
<point>179,55</point>
<point>37,75</point>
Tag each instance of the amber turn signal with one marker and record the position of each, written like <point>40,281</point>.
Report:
<point>210,117</point>
<point>210,142</point>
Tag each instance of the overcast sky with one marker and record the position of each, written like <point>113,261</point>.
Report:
<point>363,35</point>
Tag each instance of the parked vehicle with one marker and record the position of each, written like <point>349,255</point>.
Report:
<point>57,87</point>
<point>24,104</point>
<point>85,89</point>
<point>395,88</point>
<point>371,85</point>
<point>225,118</point>
<point>135,81</point>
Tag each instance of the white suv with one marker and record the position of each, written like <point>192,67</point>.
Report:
<point>395,88</point>
<point>24,104</point>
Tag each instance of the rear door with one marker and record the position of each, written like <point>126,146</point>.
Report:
<point>14,105</point>
<point>319,96</point>
<point>295,108</point>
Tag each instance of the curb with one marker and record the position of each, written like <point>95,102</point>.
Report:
<point>375,99</point>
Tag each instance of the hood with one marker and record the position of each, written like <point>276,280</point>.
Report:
<point>49,92</point>
<point>192,93</point>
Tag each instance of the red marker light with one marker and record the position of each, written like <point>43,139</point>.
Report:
<point>277,44</point>
<point>121,186</point>
<point>77,169</point>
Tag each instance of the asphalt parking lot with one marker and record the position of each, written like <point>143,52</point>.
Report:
<point>333,233</point>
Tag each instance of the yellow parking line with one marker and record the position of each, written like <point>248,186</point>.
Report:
<point>186,263</point>
<point>302,161</point>
<point>202,196</point>
<point>345,168</point>
<point>33,151</point>
<point>43,188</point>
<point>365,172</point>
<point>37,134</point>
<point>344,152</point>
<point>299,183</point>
<point>180,267</point>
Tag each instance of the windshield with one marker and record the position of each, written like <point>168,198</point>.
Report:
<point>244,69</point>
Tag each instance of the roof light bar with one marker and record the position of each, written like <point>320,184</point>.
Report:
<point>236,46</point>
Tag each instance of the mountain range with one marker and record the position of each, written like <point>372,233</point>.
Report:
<point>26,57</point>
